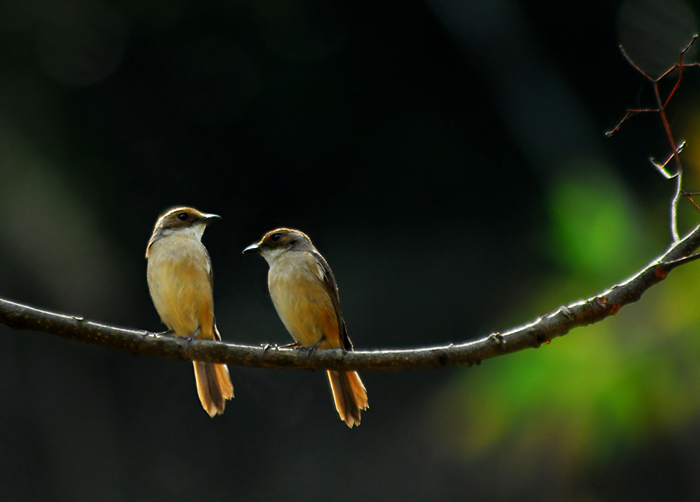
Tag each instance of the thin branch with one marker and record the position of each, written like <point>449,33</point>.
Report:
<point>661,105</point>
<point>533,335</point>
<point>661,166</point>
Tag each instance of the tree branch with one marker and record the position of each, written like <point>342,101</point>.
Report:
<point>532,335</point>
<point>661,105</point>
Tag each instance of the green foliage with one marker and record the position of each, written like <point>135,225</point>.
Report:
<point>593,225</point>
<point>593,393</point>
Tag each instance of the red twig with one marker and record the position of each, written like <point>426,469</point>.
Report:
<point>676,149</point>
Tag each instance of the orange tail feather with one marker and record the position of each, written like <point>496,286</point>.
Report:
<point>213,386</point>
<point>349,394</point>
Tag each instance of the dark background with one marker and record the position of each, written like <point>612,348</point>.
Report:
<point>447,158</point>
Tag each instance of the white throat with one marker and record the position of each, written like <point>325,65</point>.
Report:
<point>195,231</point>
<point>271,255</point>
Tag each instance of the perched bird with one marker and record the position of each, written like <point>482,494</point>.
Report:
<point>180,281</point>
<point>305,296</point>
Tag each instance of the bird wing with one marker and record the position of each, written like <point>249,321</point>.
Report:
<point>332,288</point>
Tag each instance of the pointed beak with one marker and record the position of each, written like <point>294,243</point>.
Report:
<point>251,248</point>
<point>209,217</point>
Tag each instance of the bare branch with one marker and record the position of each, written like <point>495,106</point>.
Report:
<point>533,335</point>
<point>661,105</point>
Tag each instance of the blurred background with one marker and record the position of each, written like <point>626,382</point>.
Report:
<point>447,157</point>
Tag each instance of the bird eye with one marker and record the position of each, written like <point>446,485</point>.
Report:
<point>276,237</point>
<point>182,216</point>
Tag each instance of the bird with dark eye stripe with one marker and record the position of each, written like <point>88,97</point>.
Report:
<point>180,282</point>
<point>305,296</point>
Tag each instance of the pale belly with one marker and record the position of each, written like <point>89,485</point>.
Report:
<point>304,305</point>
<point>178,279</point>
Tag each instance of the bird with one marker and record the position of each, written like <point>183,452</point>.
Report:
<point>305,295</point>
<point>180,281</point>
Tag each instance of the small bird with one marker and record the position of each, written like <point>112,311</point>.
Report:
<point>305,296</point>
<point>180,281</point>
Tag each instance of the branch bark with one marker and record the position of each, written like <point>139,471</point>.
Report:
<point>542,330</point>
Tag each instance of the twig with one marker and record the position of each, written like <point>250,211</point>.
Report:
<point>661,110</point>
<point>532,335</point>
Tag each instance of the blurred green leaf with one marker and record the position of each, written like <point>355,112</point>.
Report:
<point>594,227</point>
<point>616,384</point>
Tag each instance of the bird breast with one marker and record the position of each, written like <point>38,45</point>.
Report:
<point>302,300</point>
<point>179,280</point>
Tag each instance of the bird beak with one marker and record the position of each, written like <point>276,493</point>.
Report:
<point>208,217</point>
<point>251,248</point>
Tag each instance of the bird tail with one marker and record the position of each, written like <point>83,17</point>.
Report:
<point>349,394</point>
<point>213,386</point>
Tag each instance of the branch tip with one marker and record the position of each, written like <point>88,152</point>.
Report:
<point>661,110</point>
